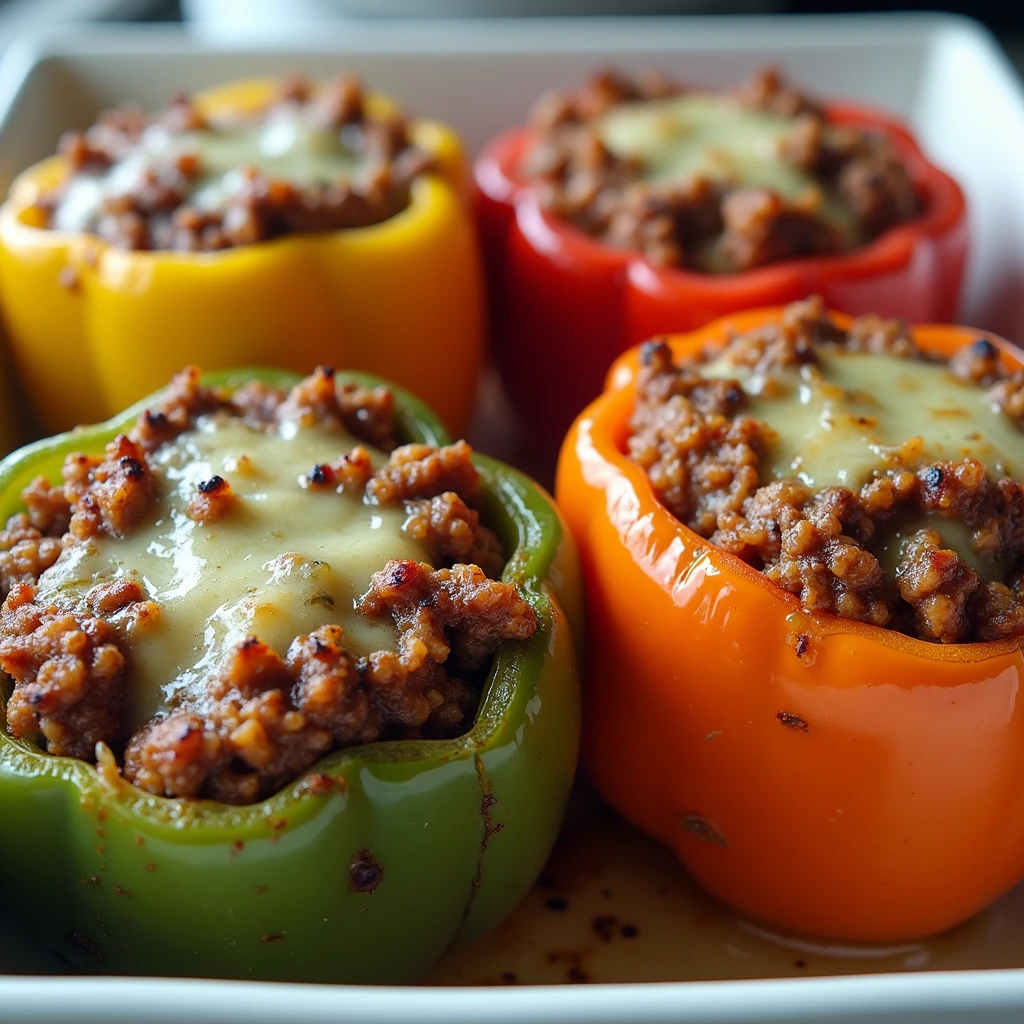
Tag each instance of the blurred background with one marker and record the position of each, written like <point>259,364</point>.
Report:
<point>245,18</point>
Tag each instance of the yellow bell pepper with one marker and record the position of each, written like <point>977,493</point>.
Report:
<point>93,328</point>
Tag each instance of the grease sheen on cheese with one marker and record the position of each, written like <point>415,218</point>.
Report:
<point>839,427</point>
<point>284,561</point>
<point>285,145</point>
<point>706,135</point>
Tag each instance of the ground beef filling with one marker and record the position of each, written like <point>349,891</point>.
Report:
<point>706,458</point>
<point>261,716</point>
<point>711,220</point>
<point>315,159</point>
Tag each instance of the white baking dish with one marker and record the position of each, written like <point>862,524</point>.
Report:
<point>951,82</point>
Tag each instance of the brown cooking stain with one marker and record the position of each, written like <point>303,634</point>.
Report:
<point>491,828</point>
<point>700,827</point>
<point>572,960</point>
<point>364,873</point>
<point>791,721</point>
<point>801,644</point>
<point>83,942</point>
<point>318,784</point>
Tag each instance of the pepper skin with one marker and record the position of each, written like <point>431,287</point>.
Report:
<point>814,772</point>
<point>570,303</point>
<point>368,867</point>
<point>93,328</point>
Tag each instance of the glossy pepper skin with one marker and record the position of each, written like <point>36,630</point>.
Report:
<point>570,303</point>
<point>816,773</point>
<point>368,867</point>
<point>93,328</point>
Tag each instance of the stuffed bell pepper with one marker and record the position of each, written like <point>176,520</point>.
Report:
<point>278,223</point>
<point>290,687</point>
<point>803,540</point>
<point>634,206</point>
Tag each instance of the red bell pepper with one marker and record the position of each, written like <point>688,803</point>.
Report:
<point>564,304</point>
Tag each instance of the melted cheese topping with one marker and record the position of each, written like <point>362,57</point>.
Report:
<point>281,563</point>
<point>955,534</point>
<point>712,136</point>
<point>839,426</point>
<point>284,144</point>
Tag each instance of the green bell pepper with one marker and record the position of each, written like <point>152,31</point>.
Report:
<point>367,868</point>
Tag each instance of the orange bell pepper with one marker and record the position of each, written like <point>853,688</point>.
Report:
<point>93,328</point>
<point>814,772</point>
<point>571,303</point>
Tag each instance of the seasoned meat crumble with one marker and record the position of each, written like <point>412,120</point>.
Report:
<point>713,182</point>
<point>314,159</point>
<point>860,525</point>
<point>240,726</point>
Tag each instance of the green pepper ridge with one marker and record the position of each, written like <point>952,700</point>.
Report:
<point>455,831</point>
